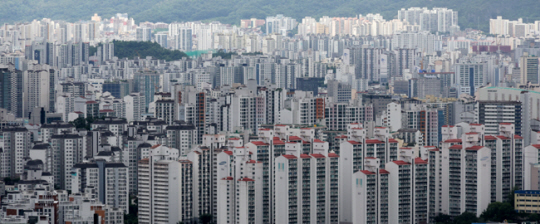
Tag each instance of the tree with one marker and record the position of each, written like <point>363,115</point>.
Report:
<point>534,217</point>
<point>498,212</point>
<point>465,218</point>
<point>442,219</point>
<point>511,196</point>
<point>223,54</point>
<point>10,181</point>
<point>132,217</point>
<point>206,218</point>
<point>79,122</point>
<point>85,123</point>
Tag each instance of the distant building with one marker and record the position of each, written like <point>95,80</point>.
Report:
<point>529,68</point>
<point>144,34</point>
<point>340,92</point>
<point>309,84</point>
<point>118,89</point>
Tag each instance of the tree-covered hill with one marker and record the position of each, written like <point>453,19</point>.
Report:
<point>132,49</point>
<point>473,13</point>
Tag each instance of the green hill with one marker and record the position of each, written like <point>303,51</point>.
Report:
<point>473,13</point>
<point>132,49</point>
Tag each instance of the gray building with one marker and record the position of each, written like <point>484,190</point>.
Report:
<point>379,102</point>
<point>340,92</point>
<point>309,84</point>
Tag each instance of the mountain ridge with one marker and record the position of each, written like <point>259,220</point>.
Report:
<point>472,14</point>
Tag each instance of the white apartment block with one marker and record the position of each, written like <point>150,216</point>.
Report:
<point>135,107</point>
<point>181,136</point>
<point>370,194</point>
<point>165,191</point>
<point>37,88</point>
<point>68,150</point>
<point>339,115</point>
<point>46,131</point>
<point>246,205</point>
<point>164,110</point>
<point>408,190</point>
<point>353,154</point>
<point>471,163</point>
<point>306,183</point>
<point>393,117</point>
<point>465,178</point>
<point>110,179</point>
<point>302,109</point>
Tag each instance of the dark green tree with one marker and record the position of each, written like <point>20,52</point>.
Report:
<point>498,212</point>
<point>79,122</point>
<point>511,196</point>
<point>206,218</point>
<point>132,49</point>
<point>132,217</point>
<point>442,219</point>
<point>465,218</point>
<point>223,54</point>
<point>534,217</point>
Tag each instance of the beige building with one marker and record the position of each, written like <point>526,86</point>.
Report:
<point>527,201</point>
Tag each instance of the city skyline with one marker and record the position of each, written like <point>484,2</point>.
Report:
<point>341,120</point>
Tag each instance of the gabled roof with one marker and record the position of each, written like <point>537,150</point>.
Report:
<point>258,143</point>
<point>456,147</point>
<point>318,156</point>
<point>518,137</point>
<point>294,138</point>
<point>391,140</point>
<point>457,140</point>
<point>367,172</point>
<point>401,162</point>
<point>502,137</point>
<point>333,155</point>
<point>354,142</point>
<point>305,156</point>
<point>245,179</point>
<point>419,160</point>
<point>383,171</point>
<point>490,138</point>
<point>317,141</point>
<point>476,147</point>
<point>278,142</point>
<point>289,156</point>
<point>228,152</point>
<point>374,141</point>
